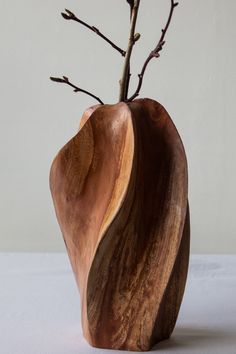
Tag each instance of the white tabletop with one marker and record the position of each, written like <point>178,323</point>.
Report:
<point>40,307</point>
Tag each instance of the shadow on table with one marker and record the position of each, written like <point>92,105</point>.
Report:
<point>187,338</point>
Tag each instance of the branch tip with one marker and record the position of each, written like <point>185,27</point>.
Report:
<point>69,15</point>
<point>56,79</point>
<point>65,80</point>
<point>65,16</point>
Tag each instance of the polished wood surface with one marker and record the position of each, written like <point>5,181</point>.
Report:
<point>120,194</point>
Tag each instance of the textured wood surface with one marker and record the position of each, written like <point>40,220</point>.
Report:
<point>120,194</point>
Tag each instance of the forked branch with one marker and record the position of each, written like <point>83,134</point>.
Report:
<point>65,80</point>
<point>68,15</point>
<point>155,53</point>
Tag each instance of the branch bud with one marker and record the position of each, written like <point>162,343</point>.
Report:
<point>137,36</point>
<point>57,79</point>
<point>131,3</point>
<point>70,13</point>
<point>65,16</point>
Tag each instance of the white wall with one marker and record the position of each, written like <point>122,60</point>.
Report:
<point>194,79</point>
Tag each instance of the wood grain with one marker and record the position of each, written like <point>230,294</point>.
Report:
<point>120,193</point>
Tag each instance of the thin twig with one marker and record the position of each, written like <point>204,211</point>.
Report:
<point>68,15</point>
<point>127,83</point>
<point>65,80</point>
<point>154,53</point>
<point>131,4</point>
<point>132,40</point>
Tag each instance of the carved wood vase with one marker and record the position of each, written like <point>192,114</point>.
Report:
<point>120,194</point>
<point>120,191</point>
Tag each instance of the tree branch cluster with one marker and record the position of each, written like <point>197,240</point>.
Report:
<point>133,38</point>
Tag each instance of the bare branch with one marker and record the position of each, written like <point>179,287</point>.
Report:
<point>65,80</point>
<point>155,53</point>
<point>68,15</point>
<point>132,39</point>
<point>131,4</point>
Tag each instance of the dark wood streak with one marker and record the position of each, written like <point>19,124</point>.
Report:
<point>120,194</point>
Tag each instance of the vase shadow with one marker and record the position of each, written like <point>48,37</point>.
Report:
<point>186,338</point>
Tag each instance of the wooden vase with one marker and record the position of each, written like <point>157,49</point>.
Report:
<point>119,188</point>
